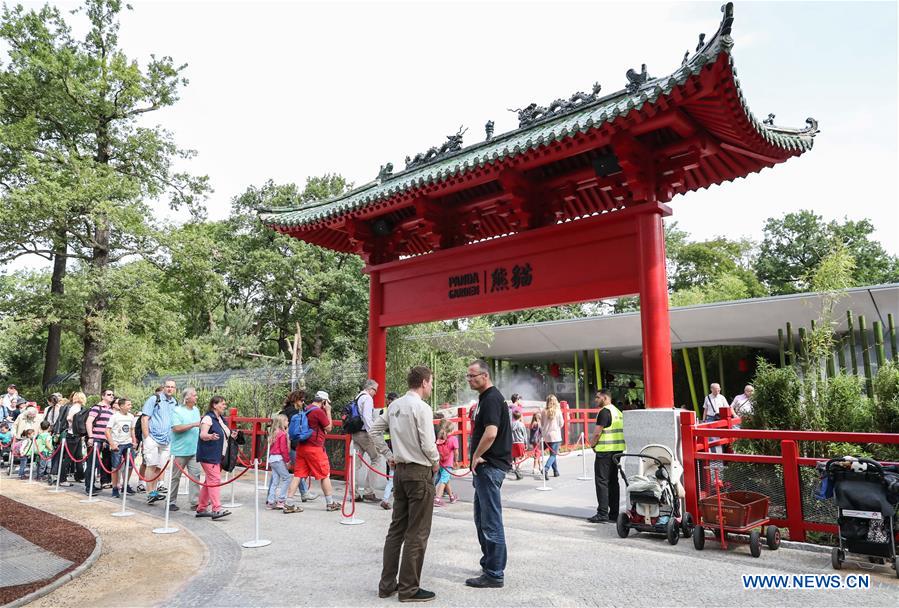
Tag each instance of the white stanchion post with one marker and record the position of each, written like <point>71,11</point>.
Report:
<point>90,493</point>
<point>12,459</point>
<point>585,476</point>
<point>256,542</point>
<point>544,487</point>
<point>352,520</point>
<point>268,453</point>
<point>31,466</point>
<point>124,512</point>
<point>62,455</point>
<point>168,483</point>
<point>232,504</point>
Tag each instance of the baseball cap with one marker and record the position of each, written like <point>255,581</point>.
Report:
<point>322,396</point>
<point>13,386</point>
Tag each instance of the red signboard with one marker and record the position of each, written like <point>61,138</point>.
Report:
<point>572,262</point>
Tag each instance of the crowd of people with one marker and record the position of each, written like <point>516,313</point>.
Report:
<point>70,442</point>
<point>91,444</point>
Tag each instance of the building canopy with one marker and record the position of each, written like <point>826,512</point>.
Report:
<point>586,155</point>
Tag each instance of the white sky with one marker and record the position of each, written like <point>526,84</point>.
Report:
<point>289,90</point>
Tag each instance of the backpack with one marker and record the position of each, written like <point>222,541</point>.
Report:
<point>79,422</point>
<point>352,417</point>
<point>299,430</point>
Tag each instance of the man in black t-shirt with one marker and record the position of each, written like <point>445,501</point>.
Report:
<point>491,458</point>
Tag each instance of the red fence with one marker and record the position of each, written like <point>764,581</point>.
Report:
<point>793,505</point>
<point>256,431</point>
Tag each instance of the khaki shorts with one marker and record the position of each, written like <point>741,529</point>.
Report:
<point>155,455</point>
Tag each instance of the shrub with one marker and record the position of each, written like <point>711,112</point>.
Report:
<point>886,399</point>
<point>844,407</point>
<point>778,397</point>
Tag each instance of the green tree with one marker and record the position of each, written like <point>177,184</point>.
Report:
<point>797,242</point>
<point>287,281</point>
<point>73,113</point>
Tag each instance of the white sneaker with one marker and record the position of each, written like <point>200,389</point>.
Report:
<point>308,496</point>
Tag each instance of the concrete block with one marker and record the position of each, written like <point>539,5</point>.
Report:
<point>642,427</point>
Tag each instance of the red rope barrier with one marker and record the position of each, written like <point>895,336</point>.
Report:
<point>136,470</point>
<point>207,485</point>
<point>51,456</point>
<point>371,468</point>
<point>115,470</point>
<point>73,459</point>
<point>466,474</point>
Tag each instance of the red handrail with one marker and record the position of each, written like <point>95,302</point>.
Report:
<point>697,440</point>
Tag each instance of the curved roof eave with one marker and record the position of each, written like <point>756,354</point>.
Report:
<point>556,128</point>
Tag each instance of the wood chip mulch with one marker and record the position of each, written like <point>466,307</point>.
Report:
<point>55,534</point>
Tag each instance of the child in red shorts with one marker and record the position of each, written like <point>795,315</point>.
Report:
<point>519,438</point>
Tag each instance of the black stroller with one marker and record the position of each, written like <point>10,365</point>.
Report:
<point>867,495</point>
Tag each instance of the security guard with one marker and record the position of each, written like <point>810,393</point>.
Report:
<point>608,440</point>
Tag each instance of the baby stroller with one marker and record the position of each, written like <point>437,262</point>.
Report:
<point>654,495</point>
<point>867,495</point>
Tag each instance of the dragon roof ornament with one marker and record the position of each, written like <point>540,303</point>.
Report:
<point>452,144</point>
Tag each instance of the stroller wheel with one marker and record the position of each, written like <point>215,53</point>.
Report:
<point>672,530</point>
<point>755,544</point>
<point>836,558</point>
<point>622,525</point>
<point>687,525</point>
<point>698,538</point>
<point>772,537</point>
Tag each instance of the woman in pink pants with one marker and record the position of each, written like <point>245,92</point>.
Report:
<point>210,449</point>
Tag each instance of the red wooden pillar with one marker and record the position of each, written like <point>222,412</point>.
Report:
<point>463,428</point>
<point>377,337</point>
<point>795,519</point>
<point>688,447</point>
<point>654,320</point>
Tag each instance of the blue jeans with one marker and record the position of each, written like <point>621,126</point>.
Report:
<point>23,462</point>
<point>488,519</point>
<point>278,482</point>
<point>553,454</point>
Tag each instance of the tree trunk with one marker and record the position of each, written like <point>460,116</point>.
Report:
<point>317,344</point>
<point>57,292</point>
<point>97,303</point>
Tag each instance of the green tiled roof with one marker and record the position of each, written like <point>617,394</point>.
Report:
<point>586,117</point>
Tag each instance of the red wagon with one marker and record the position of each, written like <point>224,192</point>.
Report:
<point>736,513</point>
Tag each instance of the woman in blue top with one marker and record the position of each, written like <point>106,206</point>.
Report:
<point>210,449</point>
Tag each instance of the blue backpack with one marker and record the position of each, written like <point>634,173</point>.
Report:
<point>299,430</point>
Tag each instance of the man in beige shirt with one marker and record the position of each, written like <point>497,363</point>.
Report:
<point>415,459</point>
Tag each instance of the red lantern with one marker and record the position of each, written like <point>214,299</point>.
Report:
<point>743,366</point>
<point>554,370</point>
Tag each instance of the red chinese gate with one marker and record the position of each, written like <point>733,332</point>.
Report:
<point>567,208</point>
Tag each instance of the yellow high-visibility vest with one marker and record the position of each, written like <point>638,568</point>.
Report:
<point>612,438</point>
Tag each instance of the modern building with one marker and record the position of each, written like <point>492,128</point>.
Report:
<point>727,337</point>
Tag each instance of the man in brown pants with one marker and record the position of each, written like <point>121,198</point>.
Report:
<point>415,459</point>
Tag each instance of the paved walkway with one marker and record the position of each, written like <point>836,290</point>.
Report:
<point>23,562</point>
<point>554,561</point>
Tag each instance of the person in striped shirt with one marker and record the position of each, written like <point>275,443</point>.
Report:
<point>97,420</point>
